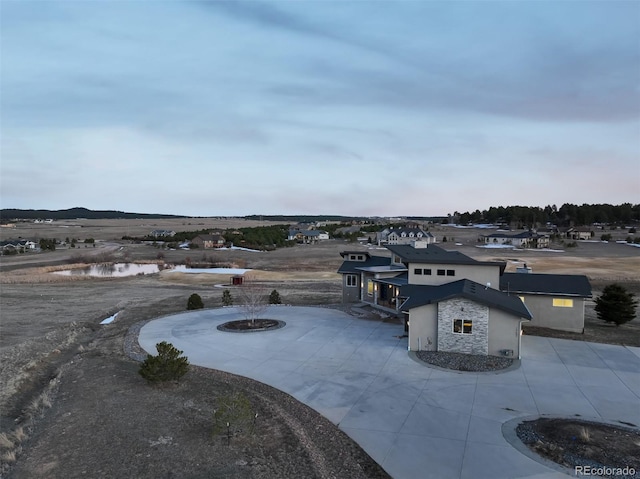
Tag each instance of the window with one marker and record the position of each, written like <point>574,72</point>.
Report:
<point>451,272</point>
<point>370,287</point>
<point>417,271</point>
<point>360,257</point>
<point>427,272</point>
<point>352,280</point>
<point>396,259</point>
<point>562,303</point>
<point>441,272</point>
<point>462,326</point>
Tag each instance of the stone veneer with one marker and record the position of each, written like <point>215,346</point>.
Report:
<point>459,308</point>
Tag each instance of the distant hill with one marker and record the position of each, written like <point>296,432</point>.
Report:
<point>74,213</point>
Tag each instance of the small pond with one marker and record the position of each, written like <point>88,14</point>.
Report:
<point>112,270</point>
<point>120,270</point>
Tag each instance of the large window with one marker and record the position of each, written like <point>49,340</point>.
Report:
<point>352,280</point>
<point>370,287</point>
<point>462,326</point>
<point>562,303</point>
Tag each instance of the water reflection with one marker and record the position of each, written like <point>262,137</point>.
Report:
<point>112,270</point>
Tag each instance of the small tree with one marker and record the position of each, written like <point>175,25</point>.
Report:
<point>168,365</point>
<point>274,297</point>
<point>227,299</point>
<point>195,302</point>
<point>616,305</point>
<point>253,299</point>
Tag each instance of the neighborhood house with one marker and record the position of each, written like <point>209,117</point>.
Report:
<point>451,302</point>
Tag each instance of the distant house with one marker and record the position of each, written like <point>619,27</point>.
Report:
<point>556,301</point>
<point>307,236</point>
<point>162,233</point>
<point>208,241</point>
<point>525,239</point>
<point>580,233</point>
<point>404,235</point>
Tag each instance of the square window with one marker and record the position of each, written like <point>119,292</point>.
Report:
<point>427,272</point>
<point>462,326</point>
<point>360,257</point>
<point>441,272</point>
<point>417,271</point>
<point>451,272</point>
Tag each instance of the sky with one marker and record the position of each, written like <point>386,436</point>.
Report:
<point>372,108</point>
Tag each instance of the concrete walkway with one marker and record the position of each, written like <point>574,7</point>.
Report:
<point>413,420</point>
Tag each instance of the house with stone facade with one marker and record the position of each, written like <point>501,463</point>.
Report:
<point>525,239</point>
<point>447,300</point>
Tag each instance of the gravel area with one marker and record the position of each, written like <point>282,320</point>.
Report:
<point>464,362</point>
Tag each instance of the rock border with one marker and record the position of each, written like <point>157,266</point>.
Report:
<point>510,434</point>
<point>515,364</point>
<point>222,327</point>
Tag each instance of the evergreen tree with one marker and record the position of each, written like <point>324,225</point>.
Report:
<point>168,365</point>
<point>227,299</point>
<point>616,305</point>
<point>274,297</point>
<point>195,302</point>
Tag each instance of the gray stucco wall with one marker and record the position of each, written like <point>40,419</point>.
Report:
<point>546,315</point>
<point>459,308</point>
<point>350,294</point>
<point>504,333</point>
<point>423,328</point>
<point>482,274</point>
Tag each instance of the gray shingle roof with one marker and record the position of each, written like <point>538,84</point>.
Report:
<point>556,284</point>
<point>353,266</point>
<point>420,295</point>
<point>434,254</point>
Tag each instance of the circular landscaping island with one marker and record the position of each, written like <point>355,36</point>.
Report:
<point>250,326</point>
<point>606,450</point>
<point>464,362</point>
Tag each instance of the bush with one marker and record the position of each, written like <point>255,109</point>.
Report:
<point>616,305</point>
<point>227,300</point>
<point>234,415</point>
<point>195,302</point>
<point>274,297</point>
<point>166,366</point>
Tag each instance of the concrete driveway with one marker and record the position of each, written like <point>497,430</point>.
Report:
<point>415,421</point>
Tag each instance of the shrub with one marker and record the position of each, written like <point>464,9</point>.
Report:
<point>227,300</point>
<point>274,297</point>
<point>233,415</point>
<point>195,302</point>
<point>168,365</point>
<point>616,305</point>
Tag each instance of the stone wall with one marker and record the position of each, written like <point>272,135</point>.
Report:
<point>459,308</point>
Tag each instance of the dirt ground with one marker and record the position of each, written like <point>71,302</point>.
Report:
<point>73,405</point>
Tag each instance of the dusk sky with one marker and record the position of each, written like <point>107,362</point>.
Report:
<point>318,107</point>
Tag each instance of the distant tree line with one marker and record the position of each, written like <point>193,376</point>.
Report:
<point>567,215</point>
<point>74,213</point>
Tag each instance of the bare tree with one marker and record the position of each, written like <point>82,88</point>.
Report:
<point>253,299</point>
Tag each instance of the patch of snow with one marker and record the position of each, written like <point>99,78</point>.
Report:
<point>636,245</point>
<point>497,246</point>
<point>239,248</point>
<point>458,244</point>
<point>110,319</point>
<point>184,269</point>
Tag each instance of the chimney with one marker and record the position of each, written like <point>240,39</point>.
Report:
<point>524,269</point>
<point>419,244</point>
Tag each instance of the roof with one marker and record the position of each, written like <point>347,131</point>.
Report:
<point>420,295</point>
<point>356,266</point>
<point>555,284</point>
<point>401,280</point>
<point>408,231</point>
<point>348,252</point>
<point>434,254</point>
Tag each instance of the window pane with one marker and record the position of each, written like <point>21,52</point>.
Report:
<point>427,271</point>
<point>563,303</point>
<point>417,271</point>
<point>451,272</point>
<point>457,325</point>
<point>441,272</point>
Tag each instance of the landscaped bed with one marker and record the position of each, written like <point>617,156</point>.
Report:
<point>248,325</point>
<point>464,362</point>
<point>613,451</point>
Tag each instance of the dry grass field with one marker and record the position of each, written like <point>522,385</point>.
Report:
<point>65,376</point>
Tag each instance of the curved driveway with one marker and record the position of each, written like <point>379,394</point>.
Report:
<point>413,420</point>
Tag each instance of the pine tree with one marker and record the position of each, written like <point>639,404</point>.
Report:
<point>616,305</point>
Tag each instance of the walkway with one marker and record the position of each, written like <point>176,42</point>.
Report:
<point>413,420</point>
